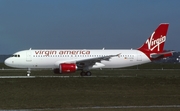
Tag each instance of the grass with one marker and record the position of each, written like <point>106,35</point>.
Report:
<point>123,87</point>
<point>86,92</point>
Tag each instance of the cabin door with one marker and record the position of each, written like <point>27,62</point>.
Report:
<point>28,56</point>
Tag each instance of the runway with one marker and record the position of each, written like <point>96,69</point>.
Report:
<point>17,77</point>
<point>100,107</point>
<point>129,107</point>
<point>4,77</point>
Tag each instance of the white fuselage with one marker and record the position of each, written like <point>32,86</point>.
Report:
<point>52,58</point>
<point>71,60</point>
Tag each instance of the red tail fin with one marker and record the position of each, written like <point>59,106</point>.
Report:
<point>155,43</point>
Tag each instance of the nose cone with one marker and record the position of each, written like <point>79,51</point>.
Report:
<point>8,62</point>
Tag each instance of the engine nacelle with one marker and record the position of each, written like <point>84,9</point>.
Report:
<point>65,68</point>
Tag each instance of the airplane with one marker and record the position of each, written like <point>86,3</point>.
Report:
<point>70,60</point>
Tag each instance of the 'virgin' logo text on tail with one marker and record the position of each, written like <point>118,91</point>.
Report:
<point>152,44</point>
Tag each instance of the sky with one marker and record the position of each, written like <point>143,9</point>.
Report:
<point>85,24</point>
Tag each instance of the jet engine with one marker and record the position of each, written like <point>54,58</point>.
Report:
<point>65,68</point>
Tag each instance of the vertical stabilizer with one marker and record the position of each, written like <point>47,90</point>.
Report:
<point>155,43</point>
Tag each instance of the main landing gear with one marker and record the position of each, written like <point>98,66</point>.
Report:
<point>87,73</point>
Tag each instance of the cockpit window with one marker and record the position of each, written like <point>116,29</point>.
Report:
<point>15,55</point>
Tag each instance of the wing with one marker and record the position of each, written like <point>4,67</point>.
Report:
<point>88,63</point>
<point>93,62</point>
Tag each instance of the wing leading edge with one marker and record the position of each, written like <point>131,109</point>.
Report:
<point>93,62</point>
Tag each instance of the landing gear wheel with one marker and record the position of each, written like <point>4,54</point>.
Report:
<point>28,72</point>
<point>88,73</point>
<point>82,73</point>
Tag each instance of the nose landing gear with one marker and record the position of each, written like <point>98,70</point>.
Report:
<point>28,72</point>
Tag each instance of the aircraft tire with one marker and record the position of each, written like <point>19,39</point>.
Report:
<point>88,73</point>
<point>82,73</point>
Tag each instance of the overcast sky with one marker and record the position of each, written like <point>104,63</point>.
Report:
<point>85,24</point>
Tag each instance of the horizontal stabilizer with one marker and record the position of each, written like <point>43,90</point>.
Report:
<point>161,55</point>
